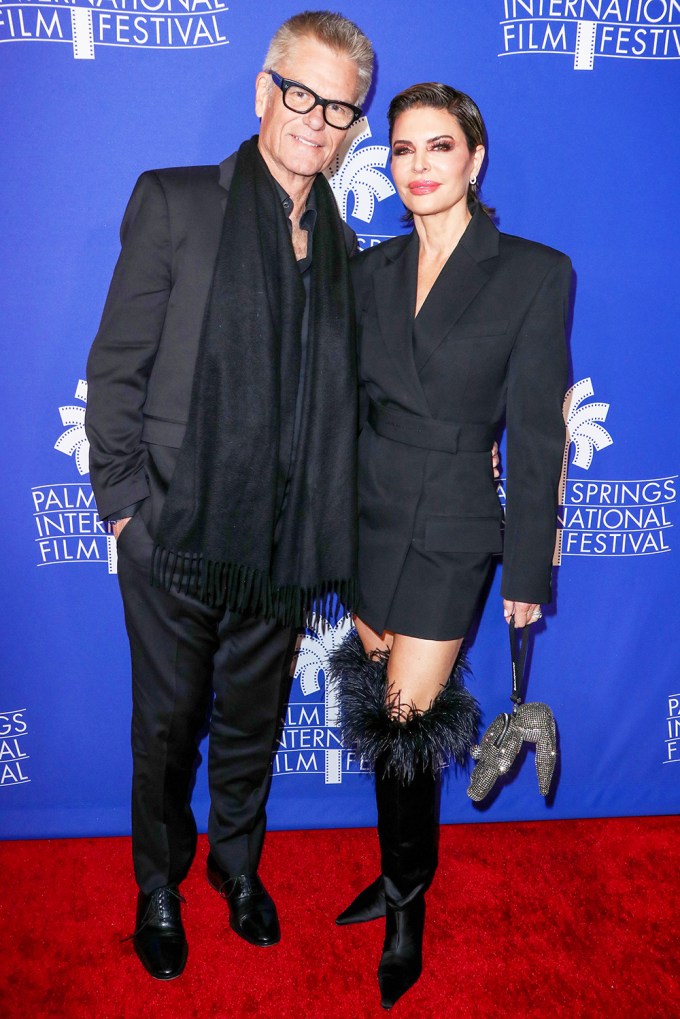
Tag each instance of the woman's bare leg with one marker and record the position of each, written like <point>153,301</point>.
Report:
<point>371,640</point>
<point>418,669</point>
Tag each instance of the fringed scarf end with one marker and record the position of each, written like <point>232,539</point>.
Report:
<point>246,590</point>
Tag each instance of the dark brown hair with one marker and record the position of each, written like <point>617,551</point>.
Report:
<point>442,97</point>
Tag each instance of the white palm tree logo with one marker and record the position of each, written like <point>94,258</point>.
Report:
<point>353,171</point>
<point>582,427</point>
<point>586,434</point>
<point>73,442</point>
<point>311,662</point>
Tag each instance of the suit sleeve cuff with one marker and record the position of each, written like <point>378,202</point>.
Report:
<point>127,511</point>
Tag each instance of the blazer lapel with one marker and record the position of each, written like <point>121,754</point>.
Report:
<point>395,296</point>
<point>465,273</point>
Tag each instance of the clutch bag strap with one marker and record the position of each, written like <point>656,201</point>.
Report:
<point>519,645</point>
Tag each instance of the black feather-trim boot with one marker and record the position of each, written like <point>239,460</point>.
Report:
<point>407,749</point>
<point>351,671</point>
<point>408,830</point>
<point>368,905</point>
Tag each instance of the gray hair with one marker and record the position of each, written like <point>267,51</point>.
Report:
<point>333,30</point>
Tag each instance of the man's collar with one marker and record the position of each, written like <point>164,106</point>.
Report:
<point>308,217</point>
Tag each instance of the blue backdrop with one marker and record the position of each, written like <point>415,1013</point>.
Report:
<point>581,99</point>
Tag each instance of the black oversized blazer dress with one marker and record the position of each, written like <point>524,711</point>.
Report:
<point>488,344</point>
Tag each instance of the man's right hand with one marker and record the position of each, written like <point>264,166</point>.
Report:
<point>119,525</point>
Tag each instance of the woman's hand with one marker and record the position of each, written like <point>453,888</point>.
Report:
<point>524,613</point>
<point>495,461</point>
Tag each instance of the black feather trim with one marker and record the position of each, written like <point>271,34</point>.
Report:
<point>404,739</point>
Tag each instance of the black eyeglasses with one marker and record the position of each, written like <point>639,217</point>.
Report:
<point>300,99</point>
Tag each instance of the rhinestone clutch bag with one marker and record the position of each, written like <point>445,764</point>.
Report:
<point>527,723</point>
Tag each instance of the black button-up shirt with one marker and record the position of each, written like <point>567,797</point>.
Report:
<point>307,223</point>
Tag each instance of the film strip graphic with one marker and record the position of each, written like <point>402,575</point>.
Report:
<point>649,33</point>
<point>83,33</point>
<point>584,55</point>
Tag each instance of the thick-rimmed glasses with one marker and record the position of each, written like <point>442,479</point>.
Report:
<point>300,99</point>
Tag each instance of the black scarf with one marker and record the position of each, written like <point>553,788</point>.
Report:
<point>215,536</point>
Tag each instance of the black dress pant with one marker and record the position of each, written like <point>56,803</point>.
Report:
<point>183,653</point>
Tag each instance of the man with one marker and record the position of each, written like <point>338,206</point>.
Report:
<point>222,429</point>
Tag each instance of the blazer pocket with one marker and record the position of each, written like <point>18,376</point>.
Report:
<point>463,534</point>
<point>160,432</point>
<point>486,327</point>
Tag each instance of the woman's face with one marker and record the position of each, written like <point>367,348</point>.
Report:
<point>431,162</point>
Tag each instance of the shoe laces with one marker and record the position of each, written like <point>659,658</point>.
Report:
<point>158,907</point>
<point>242,884</point>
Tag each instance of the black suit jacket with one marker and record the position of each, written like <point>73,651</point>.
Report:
<point>141,365</point>
<point>491,344</point>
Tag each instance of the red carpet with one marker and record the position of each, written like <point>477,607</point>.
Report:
<point>559,918</point>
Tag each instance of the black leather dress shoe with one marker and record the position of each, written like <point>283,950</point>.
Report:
<point>252,913</point>
<point>159,937</point>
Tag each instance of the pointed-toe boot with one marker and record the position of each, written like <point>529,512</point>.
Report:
<point>402,959</point>
<point>408,829</point>
<point>368,905</point>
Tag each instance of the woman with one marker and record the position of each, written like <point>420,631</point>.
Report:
<point>460,326</point>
